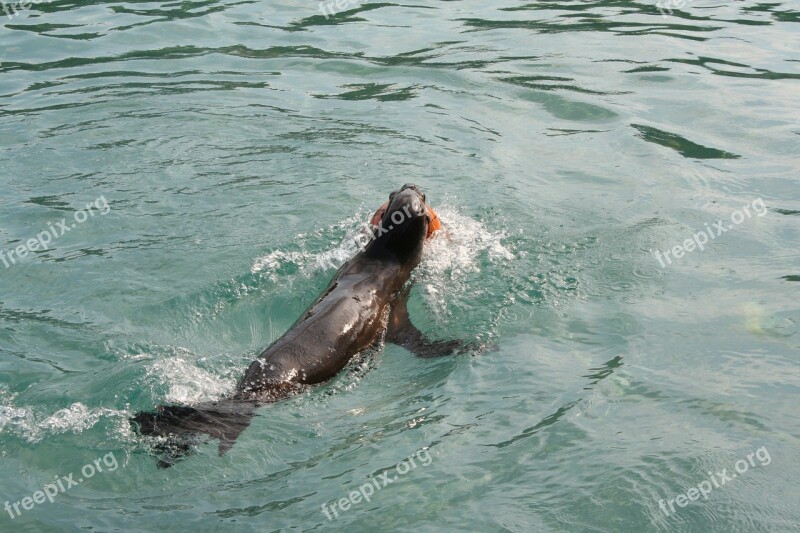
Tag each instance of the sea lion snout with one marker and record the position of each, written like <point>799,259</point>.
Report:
<point>408,202</point>
<point>410,199</point>
<point>413,187</point>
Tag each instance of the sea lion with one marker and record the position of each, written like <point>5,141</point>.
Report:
<point>366,298</point>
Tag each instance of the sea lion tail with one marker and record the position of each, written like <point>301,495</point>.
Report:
<point>181,426</point>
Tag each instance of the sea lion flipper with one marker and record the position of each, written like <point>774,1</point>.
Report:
<point>403,332</point>
<point>179,427</point>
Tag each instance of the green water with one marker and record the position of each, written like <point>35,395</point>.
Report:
<point>233,149</point>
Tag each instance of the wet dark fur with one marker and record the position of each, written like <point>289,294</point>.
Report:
<point>347,318</point>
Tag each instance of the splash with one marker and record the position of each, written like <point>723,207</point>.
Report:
<point>273,262</point>
<point>457,249</point>
<point>33,426</point>
<point>186,383</point>
<point>343,235</point>
<point>453,254</point>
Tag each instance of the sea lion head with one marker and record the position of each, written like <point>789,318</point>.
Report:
<point>402,225</point>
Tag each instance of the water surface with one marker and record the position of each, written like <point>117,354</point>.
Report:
<point>240,145</point>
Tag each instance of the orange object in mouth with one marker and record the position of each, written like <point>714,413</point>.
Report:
<point>434,224</point>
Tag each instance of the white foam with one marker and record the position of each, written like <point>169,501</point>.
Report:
<point>455,252</point>
<point>33,426</point>
<point>75,418</point>
<point>186,383</point>
<point>273,261</point>
<point>309,262</point>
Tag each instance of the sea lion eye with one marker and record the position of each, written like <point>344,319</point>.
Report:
<point>392,195</point>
